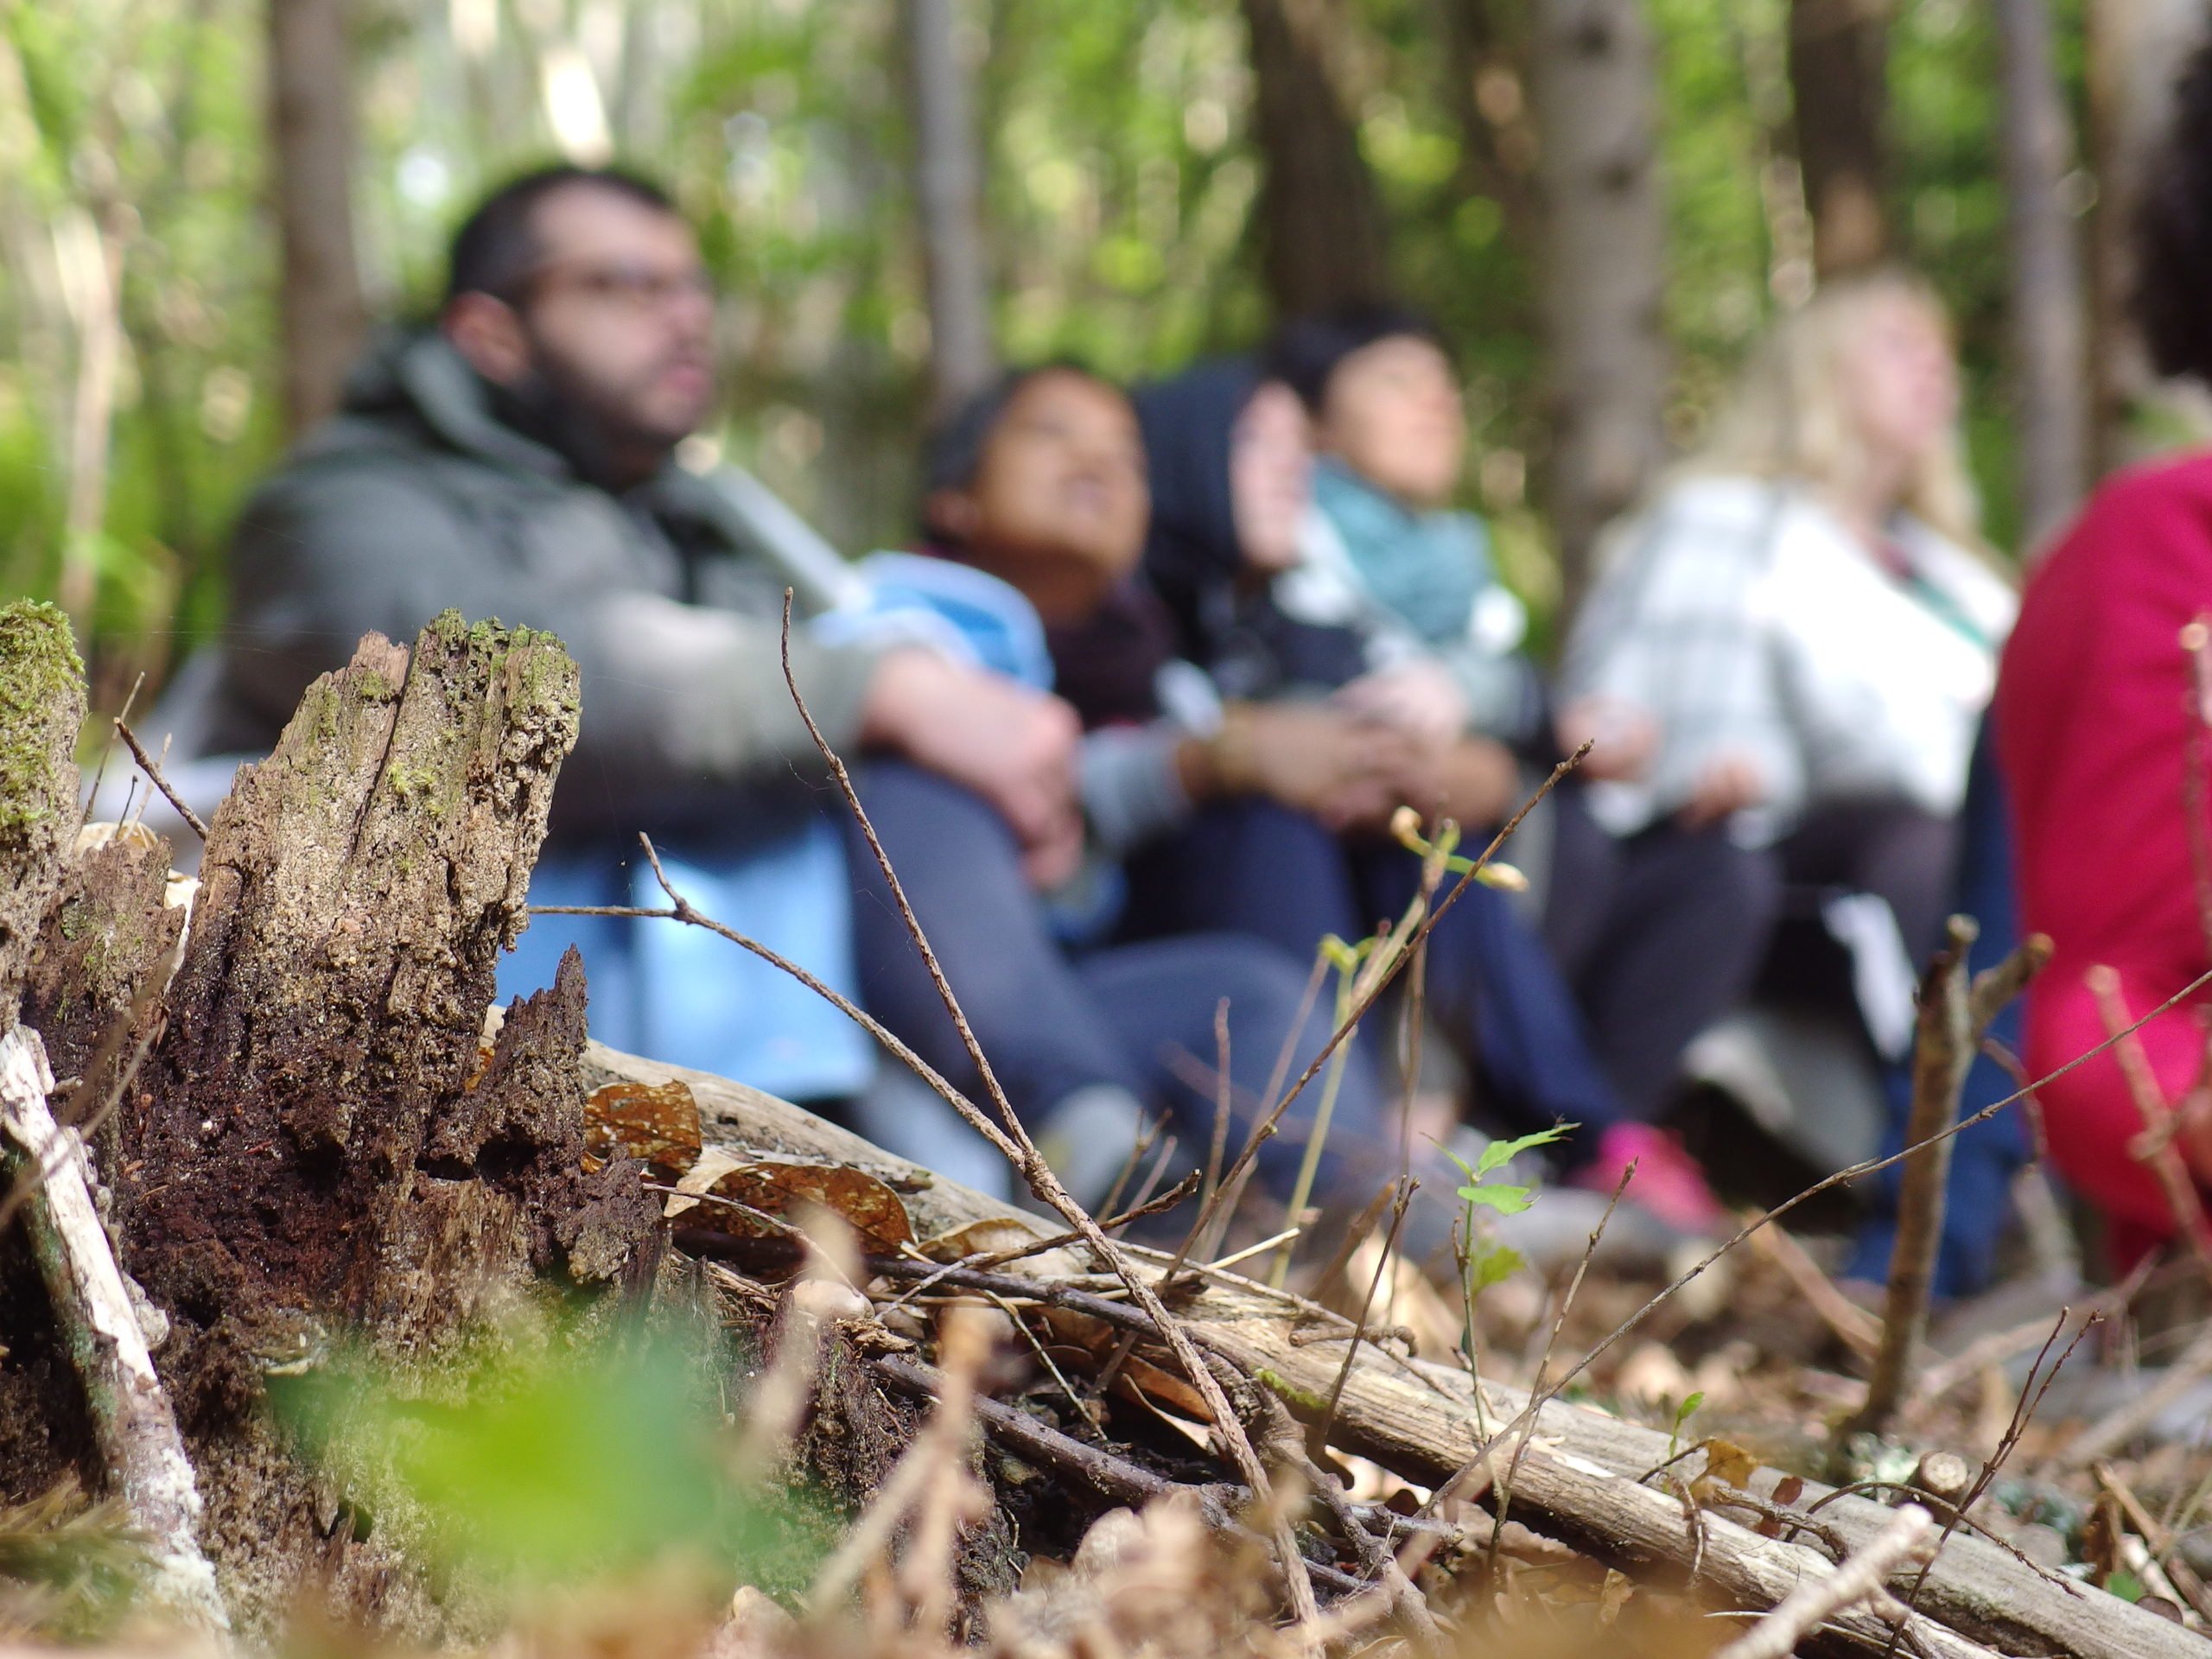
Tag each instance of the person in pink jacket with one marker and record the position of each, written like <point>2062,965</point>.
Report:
<point>2096,735</point>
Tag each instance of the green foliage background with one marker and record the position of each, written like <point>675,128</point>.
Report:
<point>1120,180</point>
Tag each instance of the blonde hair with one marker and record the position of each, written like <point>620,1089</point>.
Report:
<point>1790,416</point>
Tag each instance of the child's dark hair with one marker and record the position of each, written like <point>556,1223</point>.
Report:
<point>954,450</point>
<point>1305,350</point>
<point>2173,278</point>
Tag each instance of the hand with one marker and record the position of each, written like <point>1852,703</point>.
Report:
<point>1417,697</point>
<point>1013,746</point>
<point>1728,784</point>
<point>1310,757</point>
<point>1472,780</point>
<point>1624,738</point>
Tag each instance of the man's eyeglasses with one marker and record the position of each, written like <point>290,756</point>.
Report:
<point>628,288</point>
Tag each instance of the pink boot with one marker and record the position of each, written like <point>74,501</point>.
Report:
<point>1667,1181</point>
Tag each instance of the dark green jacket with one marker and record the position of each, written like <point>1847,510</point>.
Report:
<point>414,499</point>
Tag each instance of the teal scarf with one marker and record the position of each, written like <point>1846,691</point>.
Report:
<point>1426,567</point>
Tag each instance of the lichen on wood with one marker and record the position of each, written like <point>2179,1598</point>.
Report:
<point>42,710</point>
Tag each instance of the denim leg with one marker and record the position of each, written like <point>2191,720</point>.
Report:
<point>1161,998</point>
<point>1040,1027</point>
<point>1251,867</point>
<point>1491,976</point>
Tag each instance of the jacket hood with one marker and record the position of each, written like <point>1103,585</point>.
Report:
<point>1191,550</point>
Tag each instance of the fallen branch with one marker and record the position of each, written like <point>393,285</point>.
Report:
<point>139,1445</point>
<point>1419,1420</point>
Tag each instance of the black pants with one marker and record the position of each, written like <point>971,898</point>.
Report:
<point>1659,934</point>
<point>1895,852</point>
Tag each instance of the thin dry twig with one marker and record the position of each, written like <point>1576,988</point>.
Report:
<point>1859,1331</point>
<point>1014,1142</point>
<point>2024,1411</point>
<point>2154,1147</point>
<point>2131,1417</point>
<point>1317,1435</point>
<point>152,770</point>
<point>1777,1635</point>
<point>1539,1394</point>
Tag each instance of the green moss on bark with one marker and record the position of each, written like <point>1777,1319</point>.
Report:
<point>41,707</point>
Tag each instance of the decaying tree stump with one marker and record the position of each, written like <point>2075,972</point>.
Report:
<point>314,1152</point>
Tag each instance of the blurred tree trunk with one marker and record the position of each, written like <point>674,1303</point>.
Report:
<point>2047,312</point>
<point>1602,264</point>
<point>1324,240</point>
<point>1839,69</point>
<point>1486,92</point>
<point>948,176</point>
<point>2136,50</point>
<point>323,315</point>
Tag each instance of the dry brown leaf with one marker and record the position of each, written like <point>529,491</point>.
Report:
<point>770,1191</point>
<point>986,1237</point>
<point>657,1123</point>
<point>1727,1463</point>
<point>1147,1382</point>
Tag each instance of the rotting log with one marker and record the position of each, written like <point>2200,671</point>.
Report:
<point>133,1434</point>
<point>314,1154</point>
<point>1578,1477</point>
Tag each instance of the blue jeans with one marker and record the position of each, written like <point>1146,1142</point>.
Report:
<point>1254,867</point>
<point>1139,1017</point>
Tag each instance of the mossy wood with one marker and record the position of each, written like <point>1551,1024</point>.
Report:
<point>313,1152</point>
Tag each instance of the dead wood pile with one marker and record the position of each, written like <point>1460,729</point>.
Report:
<point>242,1146</point>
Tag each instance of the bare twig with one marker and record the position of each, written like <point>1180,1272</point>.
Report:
<point>2131,1418</point>
<point>1943,1051</point>
<point>1317,1436</point>
<point>1777,1635</point>
<point>1859,1331</point>
<point>2154,1147</point>
<point>152,770</point>
<point>1218,1147</point>
<point>2024,1411</point>
<point>1539,1393</point>
<point>1015,1144</point>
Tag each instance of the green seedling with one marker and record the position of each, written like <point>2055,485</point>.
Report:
<point>1682,1414</point>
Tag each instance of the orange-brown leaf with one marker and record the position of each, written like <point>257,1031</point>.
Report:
<point>1728,1462</point>
<point>773,1189</point>
<point>658,1123</point>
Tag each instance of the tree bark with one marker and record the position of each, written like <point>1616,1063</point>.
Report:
<point>948,188</point>
<point>1838,73</point>
<point>2136,49</point>
<point>322,315</point>
<point>2048,315</point>
<point>1324,241</point>
<point>318,1154</point>
<point>41,708</point>
<point>1603,265</point>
